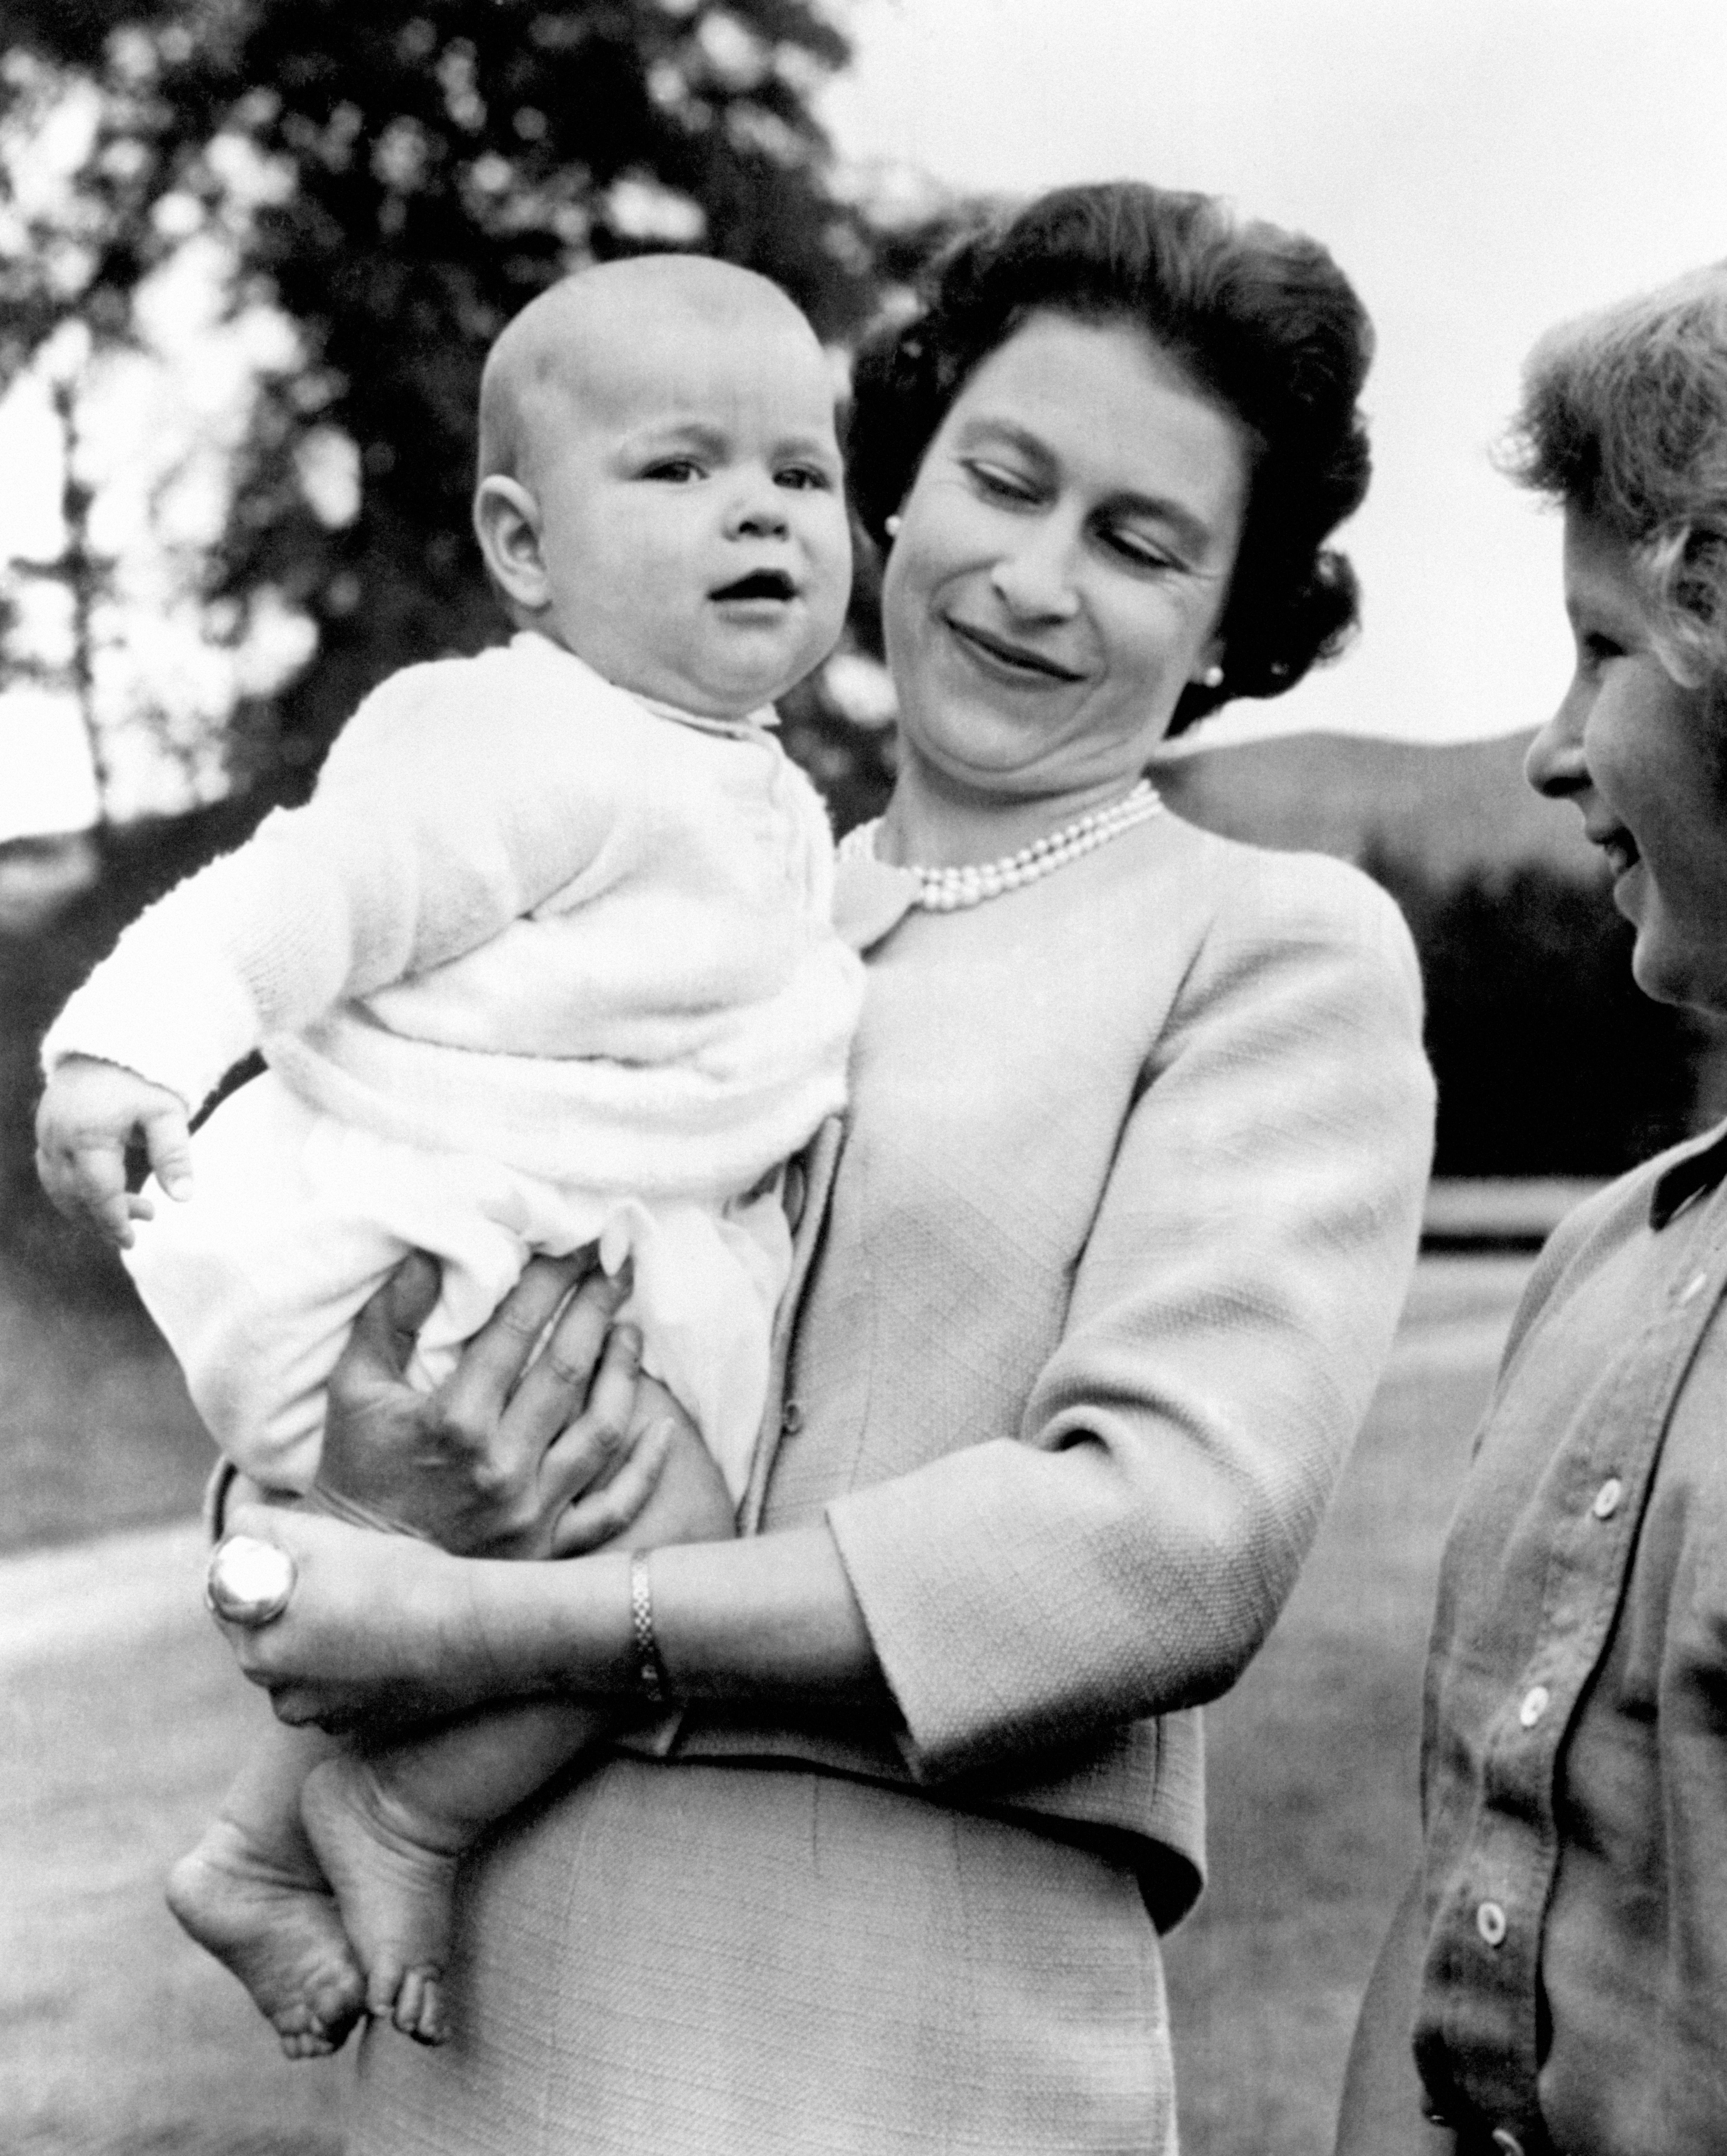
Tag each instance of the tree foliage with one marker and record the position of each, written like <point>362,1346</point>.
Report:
<point>1549,1060</point>
<point>396,178</point>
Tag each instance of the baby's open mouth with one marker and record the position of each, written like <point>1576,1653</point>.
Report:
<point>759,584</point>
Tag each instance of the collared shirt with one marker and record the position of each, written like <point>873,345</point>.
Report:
<point>1574,1755</point>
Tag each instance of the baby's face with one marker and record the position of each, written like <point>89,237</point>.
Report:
<point>693,524</point>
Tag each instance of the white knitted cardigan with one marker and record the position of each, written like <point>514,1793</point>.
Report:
<point>523,914</point>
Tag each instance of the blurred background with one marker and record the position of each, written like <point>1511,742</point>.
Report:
<point>252,253</point>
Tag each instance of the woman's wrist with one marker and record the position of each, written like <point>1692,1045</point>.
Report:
<point>771,1618</point>
<point>564,1628</point>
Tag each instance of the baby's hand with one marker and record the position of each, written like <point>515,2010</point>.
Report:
<point>90,1113</point>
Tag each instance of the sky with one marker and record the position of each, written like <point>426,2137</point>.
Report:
<point>1480,168</point>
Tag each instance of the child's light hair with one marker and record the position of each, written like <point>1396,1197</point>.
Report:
<point>1624,415</point>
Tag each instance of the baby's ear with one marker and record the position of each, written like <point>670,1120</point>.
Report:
<point>506,522</point>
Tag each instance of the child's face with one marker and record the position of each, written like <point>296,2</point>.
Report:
<point>693,532</point>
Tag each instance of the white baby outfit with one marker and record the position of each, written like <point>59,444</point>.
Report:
<point>539,963</point>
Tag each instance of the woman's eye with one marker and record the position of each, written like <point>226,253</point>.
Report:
<point>1000,484</point>
<point>1595,650</point>
<point>1142,553</point>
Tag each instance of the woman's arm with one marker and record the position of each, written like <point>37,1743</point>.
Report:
<point>1385,2107</point>
<point>1125,1550</point>
<point>526,1455</point>
<point>1128,1551</point>
<point>388,1628</point>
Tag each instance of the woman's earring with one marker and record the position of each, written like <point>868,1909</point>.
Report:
<point>1212,677</point>
<point>891,525</point>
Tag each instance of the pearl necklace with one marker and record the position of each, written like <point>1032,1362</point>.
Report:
<point>945,891</point>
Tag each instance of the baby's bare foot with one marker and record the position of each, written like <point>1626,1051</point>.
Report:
<point>394,1890</point>
<point>279,1933</point>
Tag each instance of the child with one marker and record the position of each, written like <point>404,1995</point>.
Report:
<point>545,961</point>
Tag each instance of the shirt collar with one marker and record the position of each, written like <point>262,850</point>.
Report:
<point>753,723</point>
<point>1699,1168</point>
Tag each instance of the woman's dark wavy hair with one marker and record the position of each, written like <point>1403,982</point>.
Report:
<point>1261,320</point>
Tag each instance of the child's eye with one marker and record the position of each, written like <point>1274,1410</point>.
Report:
<point>675,471</point>
<point>803,477</point>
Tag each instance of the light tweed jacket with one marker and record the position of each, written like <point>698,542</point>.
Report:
<point>1091,1297</point>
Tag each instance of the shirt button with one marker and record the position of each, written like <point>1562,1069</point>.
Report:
<point>1506,2142</point>
<point>1490,1922</point>
<point>791,1419</point>
<point>1694,1286</point>
<point>1607,1498</point>
<point>1535,1702</point>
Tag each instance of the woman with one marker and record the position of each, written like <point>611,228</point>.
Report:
<point>1108,1265</point>
<point>1556,1978</point>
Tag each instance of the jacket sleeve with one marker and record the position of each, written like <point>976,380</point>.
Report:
<point>1126,1551</point>
<point>435,823</point>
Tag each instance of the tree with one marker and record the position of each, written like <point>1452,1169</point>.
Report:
<point>391,181</point>
<point>1549,1060</point>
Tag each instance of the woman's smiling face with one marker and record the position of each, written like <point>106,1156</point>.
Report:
<point>1645,760</point>
<point>1062,563</point>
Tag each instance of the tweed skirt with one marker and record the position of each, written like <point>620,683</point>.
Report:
<point>710,1960</point>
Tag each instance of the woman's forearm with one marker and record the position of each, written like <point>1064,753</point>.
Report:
<point>771,1618</point>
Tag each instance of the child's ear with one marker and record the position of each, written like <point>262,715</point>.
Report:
<point>506,522</point>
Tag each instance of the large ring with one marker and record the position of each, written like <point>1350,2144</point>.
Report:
<point>249,1580</point>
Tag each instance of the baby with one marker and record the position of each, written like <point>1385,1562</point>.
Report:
<point>546,961</point>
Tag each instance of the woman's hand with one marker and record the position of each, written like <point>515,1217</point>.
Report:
<point>384,1629</point>
<point>516,1454</point>
<point>378,1627</point>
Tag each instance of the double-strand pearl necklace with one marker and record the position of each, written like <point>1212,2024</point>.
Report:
<point>945,891</point>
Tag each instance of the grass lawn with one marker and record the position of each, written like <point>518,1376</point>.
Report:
<point>95,1429</point>
<point>123,1719</point>
<point>1311,1759</point>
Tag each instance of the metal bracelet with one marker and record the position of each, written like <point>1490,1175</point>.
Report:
<point>650,1671</point>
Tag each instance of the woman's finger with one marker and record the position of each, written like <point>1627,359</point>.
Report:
<point>562,1379</point>
<point>475,1393</point>
<point>382,1340</point>
<point>601,1515</point>
<point>587,1450</point>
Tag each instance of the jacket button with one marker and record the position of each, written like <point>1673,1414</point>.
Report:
<point>1607,1498</point>
<point>1490,1922</point>
<point>1506,2142</point>
<point>1535,1702</point>
<point>791,1419</point>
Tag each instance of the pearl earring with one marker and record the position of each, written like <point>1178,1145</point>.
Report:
<point>1212,677</point>
<point>891,525</point>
